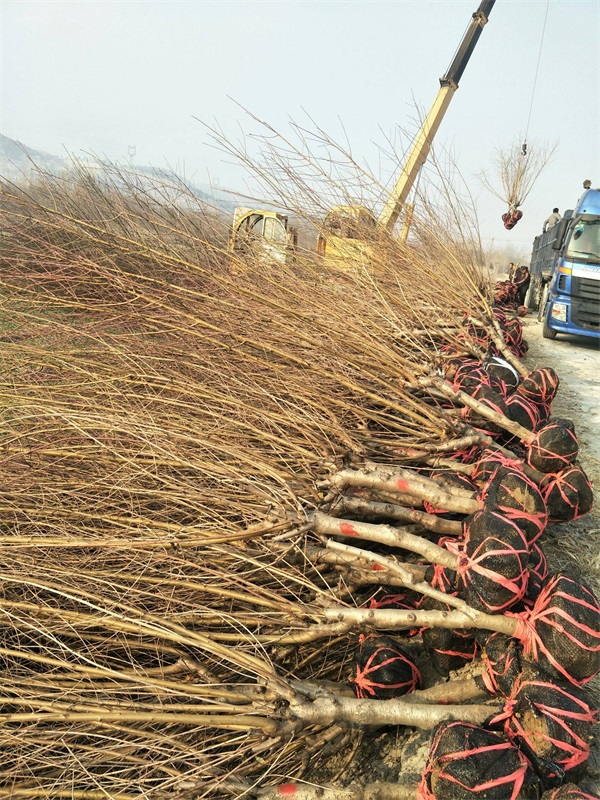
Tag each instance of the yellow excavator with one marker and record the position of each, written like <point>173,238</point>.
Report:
<point>346,230</point>
<point>265,235</point>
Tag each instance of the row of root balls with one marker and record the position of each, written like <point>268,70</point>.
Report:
<point>539,741</point>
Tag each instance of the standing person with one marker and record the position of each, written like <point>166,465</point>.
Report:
<point>511,271</point>
<point>522,281</point>
<point>552,220</point>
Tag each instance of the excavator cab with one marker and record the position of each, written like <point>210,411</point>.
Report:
<point>345,236</point>
<point>263,235</point>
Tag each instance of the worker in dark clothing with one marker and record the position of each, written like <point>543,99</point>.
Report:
<point>522,281</point>
<point>552,220</point>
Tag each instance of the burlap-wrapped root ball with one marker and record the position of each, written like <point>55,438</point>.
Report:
<point>447,649</point>
<point>513,336</point>
<point>467,762</point>
<point>403,599</point>
<point>470,376</point>
<point>538,572</point>
<point>383,669</point>
<point>561,633</point>
<point>493,565</point>
<point>568,494</point>
<point>503,664</point>
<point>494,401</point>
<point>569,791</point>
<point>551,723</point>
<point>504,378</point>
<point>554,446</point>
<point>540,385</point>
<point>512,494</point>
<point>488,462</point>
<point>525,412</point>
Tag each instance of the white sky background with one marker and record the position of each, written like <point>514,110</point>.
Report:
<point>101,76</point>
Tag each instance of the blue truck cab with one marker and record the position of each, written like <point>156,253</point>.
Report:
<point>565,271</point>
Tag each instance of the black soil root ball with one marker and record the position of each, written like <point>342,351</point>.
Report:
<point>399,598</point>
<point>503,376</point>
<point>447,649</point>
<point>515,496</point>
<point>489,461</point>
<point>540,385</point>
<point>494,401</point>
<point>561,633</point>
<point>538,572</point>
<point>525,412</point>
<point>383,669</point>
<point>502,659</point>
<point>493,568</point>
<point>554,446</point>
<point>467,762</point>
<point>568,791</point>
<point>568,494</point>
<point>551,723</point>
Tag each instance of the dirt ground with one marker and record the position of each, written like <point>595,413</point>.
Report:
<point>576,546</point>
<point>577,362</point>
<point>395,754</point>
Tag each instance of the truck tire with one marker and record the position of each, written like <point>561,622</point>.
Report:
<point>547,332</point>
<point>533,295</point>
<point>542,303</point>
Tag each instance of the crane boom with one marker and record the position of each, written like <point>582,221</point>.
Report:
<point>423,140</point>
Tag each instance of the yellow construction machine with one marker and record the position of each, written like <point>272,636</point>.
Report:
<point>347,230</point>
<point>264,235</point>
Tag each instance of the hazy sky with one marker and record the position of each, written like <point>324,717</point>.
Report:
<point>104,76</point>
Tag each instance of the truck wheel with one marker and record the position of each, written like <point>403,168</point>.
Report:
<point>547,332</point>
<point>533,295</point>
<point>542,304</point>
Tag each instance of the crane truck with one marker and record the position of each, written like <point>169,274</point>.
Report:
<point>345,231</point>
<point>565,271</point>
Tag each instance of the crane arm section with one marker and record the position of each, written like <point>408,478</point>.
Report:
<point>424,138</point>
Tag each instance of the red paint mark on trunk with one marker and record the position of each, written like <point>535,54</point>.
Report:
<point>288,789</point>
<point>402,485</point>
<point>347,530</point>
<point>377,566</point>
<point>412,452</point>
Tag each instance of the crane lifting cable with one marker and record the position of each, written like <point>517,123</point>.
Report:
<point>518,166</point>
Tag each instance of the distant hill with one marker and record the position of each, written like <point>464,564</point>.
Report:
<point>19,163</point>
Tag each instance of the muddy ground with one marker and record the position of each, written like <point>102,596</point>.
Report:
<point>398,755</point>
